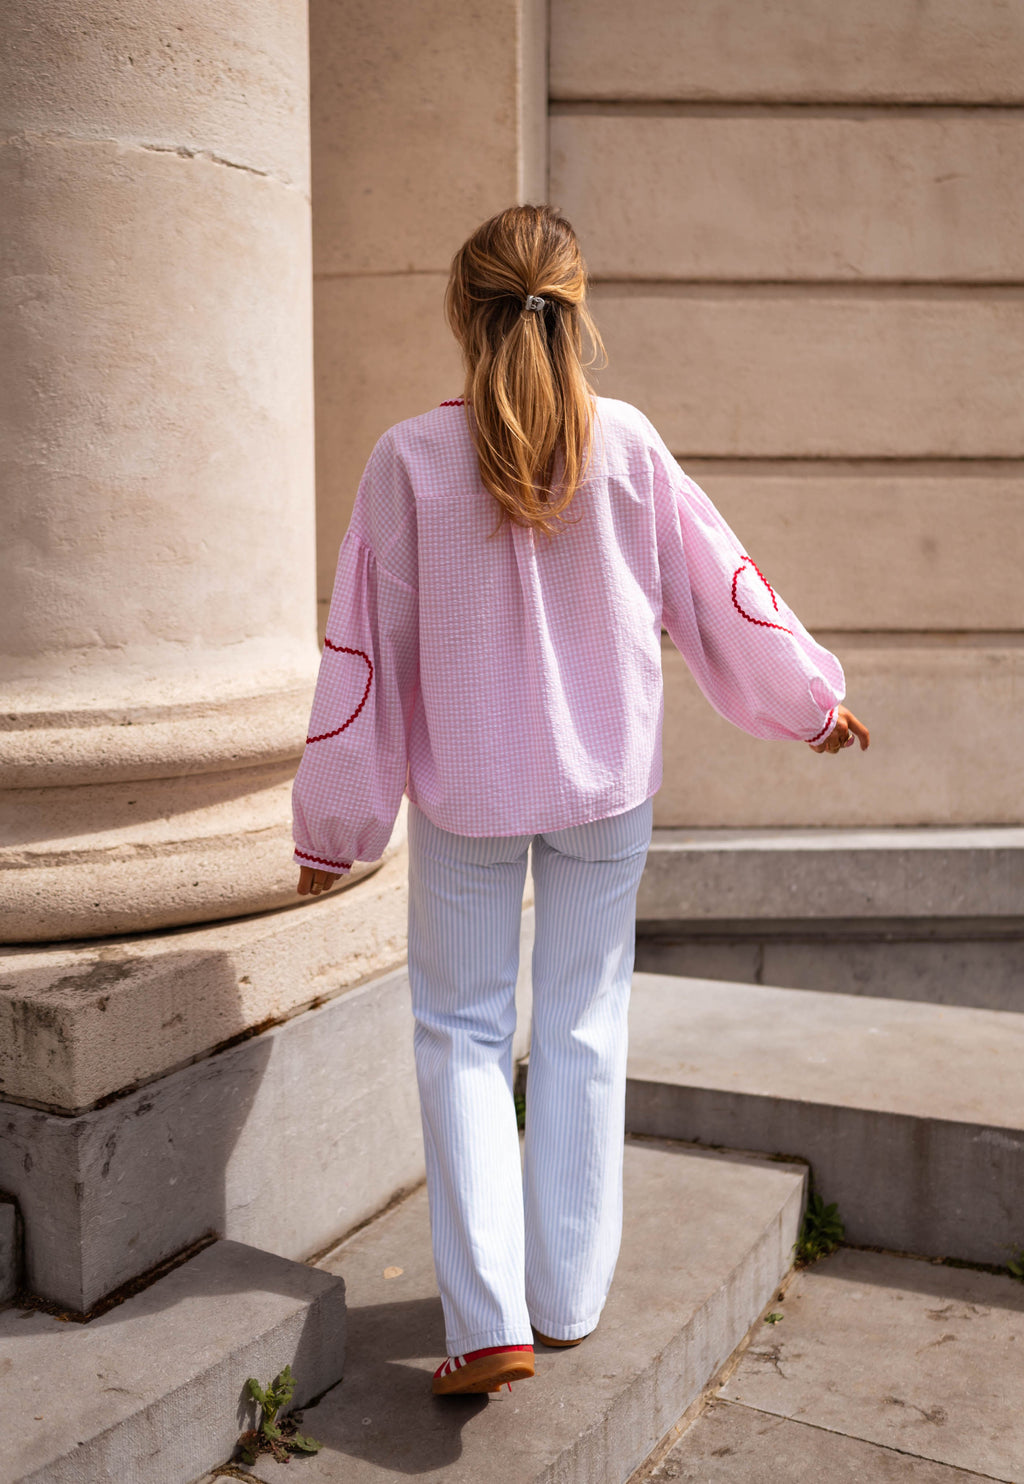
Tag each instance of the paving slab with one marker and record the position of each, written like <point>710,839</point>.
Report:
<point>154,1390</point>
<point>730,1444</point>
<point>706,1239</point>
<point>900,1353</point>
<point>910,1114</point>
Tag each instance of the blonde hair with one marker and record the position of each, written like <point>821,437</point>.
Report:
<point>527,396</point>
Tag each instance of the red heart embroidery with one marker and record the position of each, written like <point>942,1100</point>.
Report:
<point>762,623</point>
<point>340,649</point>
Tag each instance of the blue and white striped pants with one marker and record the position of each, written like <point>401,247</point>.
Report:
<point>533,1243</point>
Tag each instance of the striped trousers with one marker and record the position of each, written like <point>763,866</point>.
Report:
<point>532,1241</point>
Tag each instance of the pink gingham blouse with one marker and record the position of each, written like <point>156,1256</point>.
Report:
<point>511,684</point>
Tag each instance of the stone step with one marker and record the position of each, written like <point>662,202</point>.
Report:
<point>923,914</point>
<point>154,1389</point>
<point>285,1141</point>
<point>910,1115</point>
<point>10,1249</point>
<point>832,875</point>
<point>875,1367</point>
<point>707,1238</point>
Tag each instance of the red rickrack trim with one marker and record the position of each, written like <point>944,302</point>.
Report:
<point>762,623</point>
<point>338,865</point>
<point>825,728</point>
<point>458,402</point>
<point>341,649</point>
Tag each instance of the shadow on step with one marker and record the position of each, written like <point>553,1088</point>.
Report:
<point>383,1410</point>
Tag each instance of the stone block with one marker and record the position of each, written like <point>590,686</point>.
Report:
<point>869,546</point>
<point>968,963</point>
<point>437,111</point>
<point>794,195</point>
<point>10,1249</point>
<point>956,765</point>
<point>910,1115</point>
<point>155,1388</point>
<point>810,51</point>
<point>706,1239</point>
<point>780,371</point>
<point>364,385</point>
<point>174,997</point>
<point>832,875</point>
<point>284,1141</point>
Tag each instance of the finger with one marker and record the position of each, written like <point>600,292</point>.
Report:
<point>861,732</point>
<point>305,881</point>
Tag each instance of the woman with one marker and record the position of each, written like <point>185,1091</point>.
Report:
<point>494,651</point>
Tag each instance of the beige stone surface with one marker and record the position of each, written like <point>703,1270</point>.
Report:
<point>819,372</point>
<point>383,353</point>
<point>944,718</point>
<point>173,996</point>
<point>416,126</point>
<point>881,546</point>
<point>804,50</point>
<point>806,194</point>
<point>224,81</point>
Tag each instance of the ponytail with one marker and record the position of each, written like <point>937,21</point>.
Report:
<point>516,303</point>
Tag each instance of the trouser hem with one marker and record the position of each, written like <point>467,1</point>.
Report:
<point>556,1330</point>
<point>483,1339</point>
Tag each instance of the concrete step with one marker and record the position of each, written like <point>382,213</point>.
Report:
<point>10,1249</point>
<point>285,1141</point>
<point>912,914</point>
<point>707,1239</point>
<point>153,1391</point>
<point>881,1369</point>
<point>911,1115</point>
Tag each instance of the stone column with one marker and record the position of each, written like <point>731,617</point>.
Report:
<point>156,576</point>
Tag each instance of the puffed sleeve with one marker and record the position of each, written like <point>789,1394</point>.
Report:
<point>352,776</point>
<point>749,653</point>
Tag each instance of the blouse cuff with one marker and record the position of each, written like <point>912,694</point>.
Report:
<point>321,863</point>
<point>827,729</point>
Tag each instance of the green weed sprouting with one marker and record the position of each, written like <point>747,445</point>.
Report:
<point>1015,1267</point>
<point>281,1439</point>
<point>821,1233</point>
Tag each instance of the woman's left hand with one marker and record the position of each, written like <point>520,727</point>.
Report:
<point>847,731</point>
<point>312,883</point>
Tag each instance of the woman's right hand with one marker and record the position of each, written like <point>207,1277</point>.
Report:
<point>847,731</point>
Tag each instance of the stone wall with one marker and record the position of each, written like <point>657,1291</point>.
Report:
<point>804,225</point>
<point>427,118</point>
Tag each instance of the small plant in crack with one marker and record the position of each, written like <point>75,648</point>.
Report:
<point>276,1435</point>
<point>821,1233</point>
<point>1015,1267</point>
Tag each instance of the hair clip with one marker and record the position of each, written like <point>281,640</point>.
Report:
<point>533,303</point>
